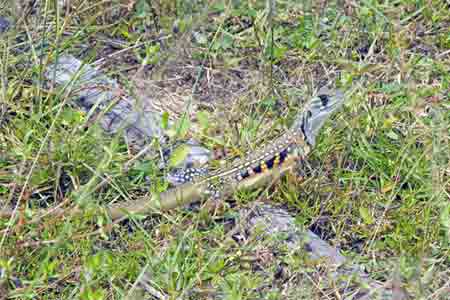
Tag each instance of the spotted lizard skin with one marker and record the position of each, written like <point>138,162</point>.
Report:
<point>295,142</point>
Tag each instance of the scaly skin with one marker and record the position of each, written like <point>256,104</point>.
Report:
<point>257,169</point>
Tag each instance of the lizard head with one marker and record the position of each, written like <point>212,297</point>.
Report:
<point>317,111</point>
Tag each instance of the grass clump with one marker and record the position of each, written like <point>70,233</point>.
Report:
<point>376,185</point>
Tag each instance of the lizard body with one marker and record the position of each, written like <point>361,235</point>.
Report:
<point>258,168</point>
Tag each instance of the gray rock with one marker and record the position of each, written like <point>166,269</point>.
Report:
<point>266,221</point>
<point>96,91</point>
<point>269,221</point>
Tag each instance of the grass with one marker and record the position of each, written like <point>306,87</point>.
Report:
<point>376,185</point>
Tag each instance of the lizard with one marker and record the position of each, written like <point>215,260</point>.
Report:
<point>264,165</point>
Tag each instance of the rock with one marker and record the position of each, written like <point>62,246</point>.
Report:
<point>270,221</point>
<point>95,90</point>
<point>118,112</point>
<point>266,221</point>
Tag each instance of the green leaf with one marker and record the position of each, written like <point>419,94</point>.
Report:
<point>224,42</point>
<point>278,52</point>
<point>445,217</point>
<point>252,13</point>
<point>218,7</point>
<point>165,120</point>
<point>182,127</point>
<point>152,53</point>
<point>227,41</point>
<point>365,215</point>
<point>392,135</point>
<point>70,116</point>
<point>179,155</point>
<point>89,294</point>
<point>40,176</point>
<point>142,8</point>
<point>216,266</point>
<point>123,30</point>
<point>203,119</point>
<point>3,190</point>
<point>232,62</point>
